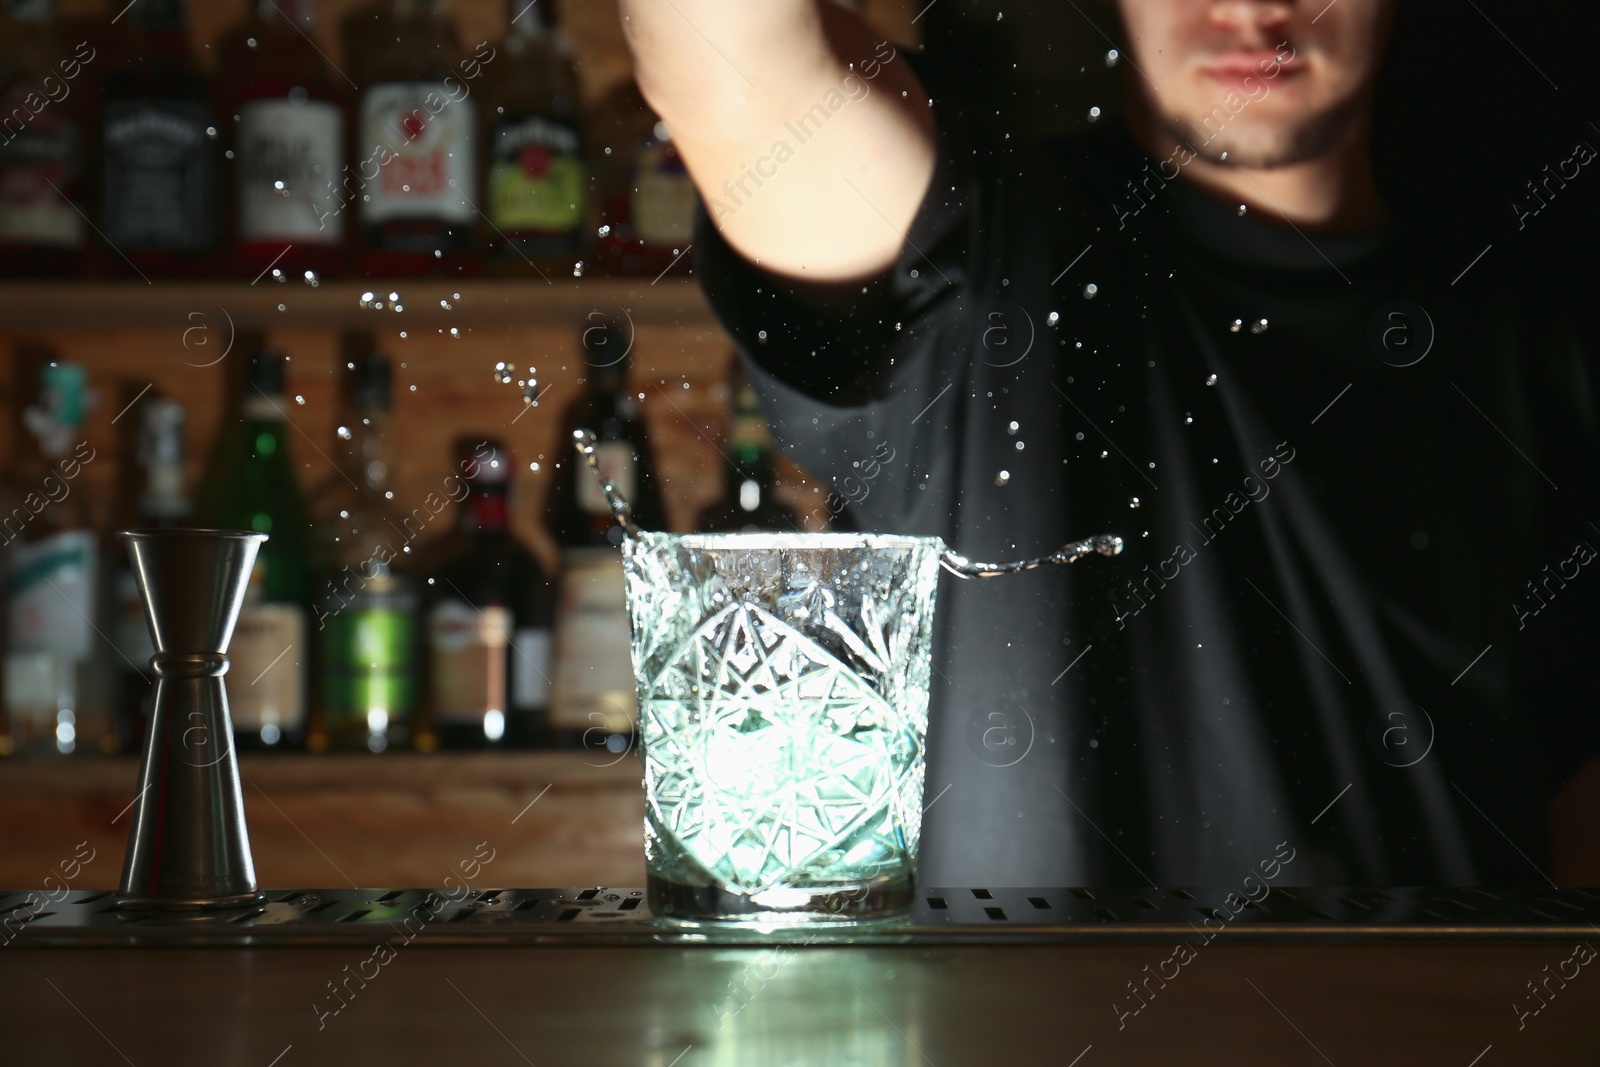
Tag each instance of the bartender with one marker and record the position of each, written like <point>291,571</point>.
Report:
<point>1354,623</point>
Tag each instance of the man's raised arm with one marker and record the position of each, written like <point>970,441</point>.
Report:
<point>810,140</point>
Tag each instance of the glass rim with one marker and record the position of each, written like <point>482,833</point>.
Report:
<point>831,539</point>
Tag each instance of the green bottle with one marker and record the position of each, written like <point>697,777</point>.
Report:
<point>366,604</point>
<point>256,489</point>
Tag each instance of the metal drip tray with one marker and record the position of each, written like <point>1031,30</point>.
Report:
<point>606,916</point>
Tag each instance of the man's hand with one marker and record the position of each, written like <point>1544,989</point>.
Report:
<point>810,140</point>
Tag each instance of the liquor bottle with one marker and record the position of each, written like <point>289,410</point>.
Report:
<point>255,488</point>
<point>594,703</point>
<point>55,686</point>
<point>43,101</point>
<point>750,505</point>
<point>288,142</point>
<point>647,198</point>
<point>414,168</point>
<point>536,181</point>
<point>365,603</point>
<point>489,619</point>
<point>162,502</point>
<point>159,165</point>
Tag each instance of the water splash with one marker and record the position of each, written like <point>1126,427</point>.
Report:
<point>1099,545</point>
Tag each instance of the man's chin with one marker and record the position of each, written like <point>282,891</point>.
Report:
<point>1260,145</point>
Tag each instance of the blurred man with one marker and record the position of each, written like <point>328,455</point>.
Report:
<point>1351,616</point>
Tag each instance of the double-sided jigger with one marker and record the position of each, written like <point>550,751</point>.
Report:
<point>188,847</point>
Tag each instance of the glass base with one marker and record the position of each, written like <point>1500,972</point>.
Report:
<point>780,907</point>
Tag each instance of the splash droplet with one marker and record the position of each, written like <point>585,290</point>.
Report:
<point>1133,502</point>
<point>1013,427</point>
<point>1238,324</point>
<point>1112,57</point>
<point>1259,326</point>
<point>1003,478</point>
<point>1089,291</point>
<point>1243,208</point>
<point>1211,380</point>
<point>1052,318</point>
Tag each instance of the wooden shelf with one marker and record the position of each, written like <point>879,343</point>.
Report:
<point>52,307</point>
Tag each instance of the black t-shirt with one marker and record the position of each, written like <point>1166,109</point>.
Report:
<point>1354,613</point>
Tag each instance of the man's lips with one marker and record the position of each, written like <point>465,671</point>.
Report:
<point>1234,66</point>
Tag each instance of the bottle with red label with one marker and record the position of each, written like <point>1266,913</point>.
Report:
<point>159,151</point>
<point>413,171</point>
<point>45,95</point>
<point>288,116</point>
<point>490,607</point>
<point>536,185</point>
<point>647,198</point>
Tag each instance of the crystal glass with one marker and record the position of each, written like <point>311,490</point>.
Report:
<point>783,704</point>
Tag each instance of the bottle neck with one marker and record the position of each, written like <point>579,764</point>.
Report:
<point>164,500</point>
<point>488,509</point>
<point>369,450</point>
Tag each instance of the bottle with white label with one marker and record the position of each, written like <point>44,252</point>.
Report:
<point>159,151</point>
<point>490,607</point>
<point>594,704</point>
<point>288,143</point>
<point>56,696</point>
<point>414,171</point>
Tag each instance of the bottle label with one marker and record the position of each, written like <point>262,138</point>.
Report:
<point>50,599</point>
<point>266,669</point>
<point>130,631</point>
<point>536,177</point>
<point>158,174</point>
<point>290,155</point>
<point>530,670</point>
<point>468,655</point>
<point>369,663</point>
<point>418,140</point>
<point>616,463</point>
<point>594,684</point>
<point>44,157</point>
<point>663,197</point>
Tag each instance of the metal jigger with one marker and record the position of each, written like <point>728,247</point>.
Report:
<point>188,847</point>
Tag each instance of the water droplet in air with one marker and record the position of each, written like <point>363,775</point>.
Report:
<point>1133,501</point>
<point>311,279</point>
<point>1259,326</point>
<point>1094,113</point>
<point>1211,380</point>
<point>1238,324</point>
<point>1112,57</point>
<point>299,399</point>
<point>1003,478</point>
<point>1243,208</point>
<point>1104,453</point>
<point>577,269</point>
<point>447,305</point>
<point>282,307</point>
<point>1013,427</point>
<point>761,335</point>
<point>212,132</point>
<point>1052,318</point>
<point>1080,435</point>
<point>1089,291</point>
<point>604,231</point>
<point>455,332</point>
<point>278,276</point>
<point>1188,419</point>
<point>1223,156</point>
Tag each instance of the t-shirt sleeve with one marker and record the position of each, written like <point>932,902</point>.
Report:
<point>830,367</point>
